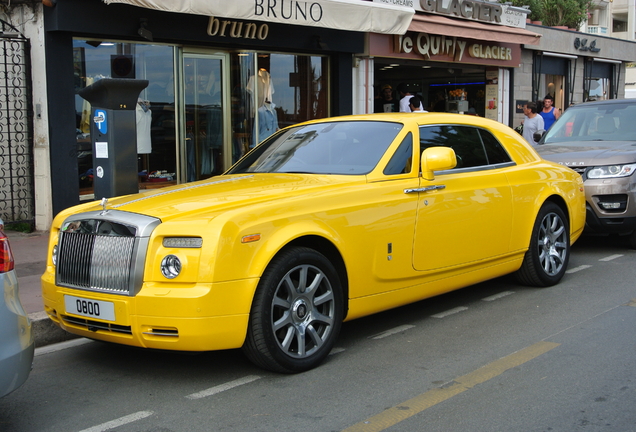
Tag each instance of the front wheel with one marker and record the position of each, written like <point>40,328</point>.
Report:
<point>296,314</point>
<point>547,257</point>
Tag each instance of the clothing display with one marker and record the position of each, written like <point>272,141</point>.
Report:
<point>267,121</point>
<point>262,84</point>
<point>144,121</point>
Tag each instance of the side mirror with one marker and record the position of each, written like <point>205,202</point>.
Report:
<point>437,159</point>
<point>538,135</point>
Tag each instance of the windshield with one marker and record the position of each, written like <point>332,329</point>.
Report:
<point>346,147</point>
<point>596,122</point>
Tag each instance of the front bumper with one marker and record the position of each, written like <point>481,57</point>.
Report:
<point>600,195</point>
<point>197,317</point>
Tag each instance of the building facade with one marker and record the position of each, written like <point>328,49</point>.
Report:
<point>219,83</point>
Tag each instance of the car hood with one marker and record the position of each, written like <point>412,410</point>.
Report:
<point>224,193</point>
<point>586,153</point>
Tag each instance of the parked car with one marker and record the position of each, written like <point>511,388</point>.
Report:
<point>598,140</point>
<point>16,340</point>
<point>325,221</point>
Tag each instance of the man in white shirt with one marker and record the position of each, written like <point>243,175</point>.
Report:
<point>405,98</point>
<point>532,123</point>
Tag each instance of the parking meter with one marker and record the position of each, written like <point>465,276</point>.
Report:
<point>114,135</point>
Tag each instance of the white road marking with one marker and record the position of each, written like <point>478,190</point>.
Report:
<point>450,312</point>
<point>223,387</point>
<point>47,349</point>
<point>393,331</point>
<point>498,296</point>
<point>119,422</point>
<point>336,351</point>
<point>611,257</point>
<point>576,269</point>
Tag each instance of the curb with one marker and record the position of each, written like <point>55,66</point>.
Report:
<point>46,332</point>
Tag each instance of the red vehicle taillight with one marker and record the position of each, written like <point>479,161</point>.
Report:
<point>6,257</point>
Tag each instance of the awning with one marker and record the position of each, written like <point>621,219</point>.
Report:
<point>440,25</point>
<point>354,15</point>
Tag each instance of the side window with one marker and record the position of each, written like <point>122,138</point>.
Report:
<point>494,150</point>
<point>401,161</point>
<point>465,140</point>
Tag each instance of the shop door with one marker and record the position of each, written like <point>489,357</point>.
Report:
<point>205,116</point>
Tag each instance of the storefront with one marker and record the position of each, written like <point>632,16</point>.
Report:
<point>216,85</point>
<point>456,62</point>
<point>572,67</point>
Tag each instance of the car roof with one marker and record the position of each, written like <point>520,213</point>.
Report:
<point>605,102</point>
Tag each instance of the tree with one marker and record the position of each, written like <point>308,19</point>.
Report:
<point>570,13</point>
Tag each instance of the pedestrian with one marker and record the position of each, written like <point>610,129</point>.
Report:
<point>415,104</point>
<point>386,102</point>
<point>549,112</point>
<point>405,98</point>
<point>532,123</point>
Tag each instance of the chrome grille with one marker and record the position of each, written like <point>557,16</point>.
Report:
<point>97,262</point>
<point>104,251</point>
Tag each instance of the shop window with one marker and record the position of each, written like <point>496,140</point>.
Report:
<point>552,85</point>
<point>289,89</point>
<point>258,94</point>
<point>156,134</point>
<point>597,89</point>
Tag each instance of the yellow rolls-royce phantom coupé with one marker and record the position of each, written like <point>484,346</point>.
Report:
<point>323,222</point>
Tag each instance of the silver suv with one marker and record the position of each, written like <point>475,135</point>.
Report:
<point>598,140</point>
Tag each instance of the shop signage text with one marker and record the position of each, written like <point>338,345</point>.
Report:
<point>236,29</point>
<point>581,45</point>
<point>433,45</point>
<point>477,10</point>
<point>288,10</point>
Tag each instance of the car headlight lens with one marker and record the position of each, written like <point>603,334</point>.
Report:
<point>171,266</point>
<point>611,171</point>
<point>54,255</point>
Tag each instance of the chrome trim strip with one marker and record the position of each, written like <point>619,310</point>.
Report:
<point>167,192</point>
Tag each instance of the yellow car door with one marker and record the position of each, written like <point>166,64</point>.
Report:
<point>464,215</point>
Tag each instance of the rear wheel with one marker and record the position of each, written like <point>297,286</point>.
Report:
<point>296,314</point>
<point>547,257</point>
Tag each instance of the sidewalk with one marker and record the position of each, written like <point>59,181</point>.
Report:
<point>29,252</point>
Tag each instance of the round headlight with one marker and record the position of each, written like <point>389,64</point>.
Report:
<point>170,266</point>
<point>54,255</point>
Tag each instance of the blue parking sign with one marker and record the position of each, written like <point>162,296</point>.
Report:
<point>101,120</point>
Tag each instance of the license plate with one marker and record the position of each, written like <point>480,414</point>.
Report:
<point>90,308</point>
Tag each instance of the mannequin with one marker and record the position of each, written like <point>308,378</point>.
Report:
<point>144,120</point>
<point>267,120</point>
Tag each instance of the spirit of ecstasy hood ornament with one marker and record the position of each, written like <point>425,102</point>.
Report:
<point>104,204</point>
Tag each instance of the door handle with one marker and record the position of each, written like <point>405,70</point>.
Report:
<point>424,189</point>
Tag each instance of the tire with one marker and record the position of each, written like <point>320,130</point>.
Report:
<point>547,257</point>
<point>296,314</point>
